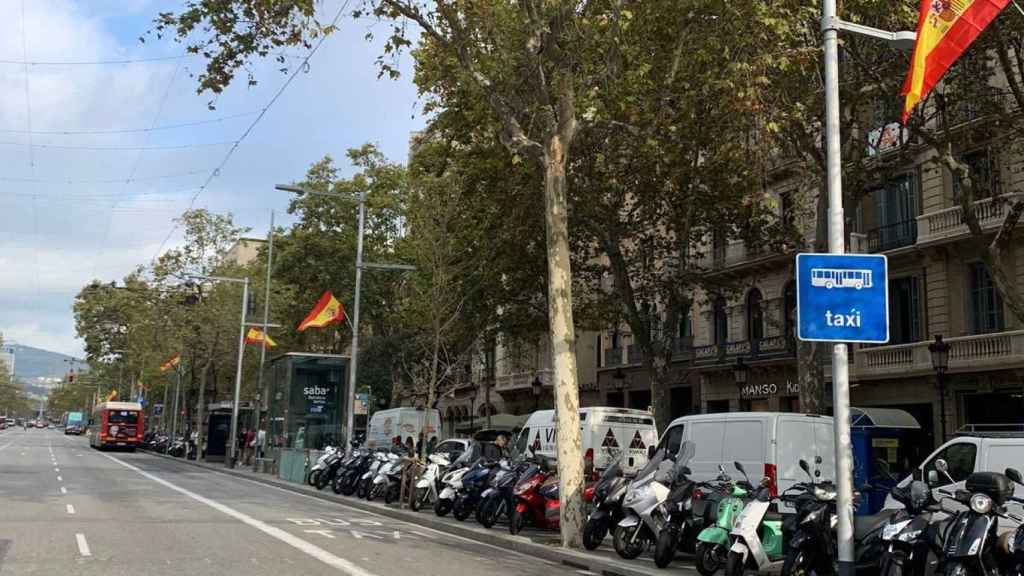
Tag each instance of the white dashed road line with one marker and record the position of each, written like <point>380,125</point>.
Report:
<point>63,490</point>
<point>83,546</point>
<point>71,509</point>
<point>274,532</point>
<point>60,479</point>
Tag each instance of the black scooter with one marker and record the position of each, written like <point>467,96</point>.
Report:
<point>688,510</point>
<point>910,540</point>
<point>606,499</point>
<point>1013,544</point>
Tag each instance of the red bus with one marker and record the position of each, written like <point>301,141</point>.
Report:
<point>116,425</point>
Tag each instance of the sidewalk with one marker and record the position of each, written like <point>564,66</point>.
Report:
<point>545,545</point>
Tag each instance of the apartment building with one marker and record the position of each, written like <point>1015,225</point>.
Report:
<point>937,287</point>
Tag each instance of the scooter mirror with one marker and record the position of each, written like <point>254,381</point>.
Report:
<point>805,466</point>
<point>941,466</point>
<point>651,451</point>
<point>1014,475</point>
<point>739,466</point>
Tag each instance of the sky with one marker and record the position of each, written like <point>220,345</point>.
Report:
<point>76,206</point>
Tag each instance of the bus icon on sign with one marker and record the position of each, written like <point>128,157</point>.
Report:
<point>830,278</point>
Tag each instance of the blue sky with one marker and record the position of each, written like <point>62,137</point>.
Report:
<point>67,215</point>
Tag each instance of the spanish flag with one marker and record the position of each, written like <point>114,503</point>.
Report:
<point>171,364</point>
<point>112,395</point>
<point>256,336</point>
<point>944,31</point>
<point>326,312</point>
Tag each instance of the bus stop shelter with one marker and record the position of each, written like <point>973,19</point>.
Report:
<point>305,408</point>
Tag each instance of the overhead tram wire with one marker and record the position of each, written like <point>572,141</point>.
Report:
<point>27,62</point>
<point>273,99</point>
<point>104,180</point>
<point>130,130</point>
<point>123,148</point>
<point>31,152</point>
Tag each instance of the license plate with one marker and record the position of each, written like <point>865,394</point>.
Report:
<point>121,444</point>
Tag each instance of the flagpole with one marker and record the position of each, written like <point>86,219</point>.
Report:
<point>263,349</point>
<point>233,438</point>
<point>177,392</point>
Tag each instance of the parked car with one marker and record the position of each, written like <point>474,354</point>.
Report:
<point>607,433</point>
<point>768,444</point>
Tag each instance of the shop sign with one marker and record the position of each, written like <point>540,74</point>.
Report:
<point>769,389</point>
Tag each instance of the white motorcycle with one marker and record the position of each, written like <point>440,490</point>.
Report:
<point>452,484</point>
<point>428,484</point>
<point>385,477</point>
<point>320,465</point>
<point>642,506</point>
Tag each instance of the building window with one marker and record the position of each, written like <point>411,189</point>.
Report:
<point>789,305</point>
<point>616,344</point>
<point>986,302</point>
<point>755,316</point>
<point>984,174</point>
<point>896,205</point>
<point>718,246</point>
<point>787,211</point>
<point>685,327</point>
<point>904,310</point>
<point>720,321</point>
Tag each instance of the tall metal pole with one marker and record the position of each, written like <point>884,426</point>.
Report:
<point>163,411</point>
<point>837,245</point>
<point>263,350</point>
<point>232,439</point>
<point>350,402</point>
<point>177,392</point>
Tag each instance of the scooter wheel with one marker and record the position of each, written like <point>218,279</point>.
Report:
<point>321,481</point>
<point>337,484</point>
<point>489,511</point>
<point>734,565</point>
<point>362,488</point>
<point>442,507</point>
<point>392,494</point>
<point>625,544</point>
<point>516,521</point>
<point>594,533</point>
<point>461,511</point>
<point>348,487</point>
<point>372,493</point>
<point>418,498</point>
<point>798,563</point>
<point>708,559</point>
<point>665,548</point>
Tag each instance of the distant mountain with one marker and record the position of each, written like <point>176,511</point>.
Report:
<point>31,363</point>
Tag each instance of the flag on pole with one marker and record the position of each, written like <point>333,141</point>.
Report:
<point>171,364</point>
<point>944,31</point>
<point>256,336</point>
<point>111,395</point>
<point>326,312</point>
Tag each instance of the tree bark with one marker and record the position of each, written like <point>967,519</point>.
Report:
<point>200,408</point>
<point>563,341</point>
<point>657,366</point>
<point>810,369</point>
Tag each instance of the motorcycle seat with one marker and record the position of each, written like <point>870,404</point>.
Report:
<point>864,525</point>
<point>772,516</point>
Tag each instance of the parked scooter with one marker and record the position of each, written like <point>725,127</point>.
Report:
<point>382,480</point>
<point>346,480</point>
<point>689,508</point>
<point>642,519</point>
<point>757,534</point>
<point>331,466</point>
<point>536,498</point>
<point>452,481</point>
<point>606,511</point>
<point>971,541</point>
<point>429,484</point>
<point>474,482</point>
<point>366,480</point>
<point>497,500</point>
<point>320,465</point>
<point>910,538</point>
<point>1012,544</point>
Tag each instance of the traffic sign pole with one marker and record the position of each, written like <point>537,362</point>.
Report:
<point>837,245</point>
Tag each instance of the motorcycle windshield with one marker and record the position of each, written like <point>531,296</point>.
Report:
<point>647,473</point>
<point>966,535</point>
<point>528,475</point>
<point>610,475</point>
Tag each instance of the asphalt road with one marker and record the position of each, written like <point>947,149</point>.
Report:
<point>68,509</point>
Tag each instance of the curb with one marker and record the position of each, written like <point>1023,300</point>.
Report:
<point>521,544</point>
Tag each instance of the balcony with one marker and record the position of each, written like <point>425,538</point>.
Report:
<point>948,224</point>
<point>768,348</point>
<point>522,380</point>
<point>737,254</point>
<point>892,236</point>
<point>966,353</point>
<point>613,357</point>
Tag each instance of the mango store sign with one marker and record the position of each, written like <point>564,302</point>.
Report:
<point>768,389</point>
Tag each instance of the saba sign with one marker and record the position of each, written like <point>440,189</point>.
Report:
<point>842,298</point>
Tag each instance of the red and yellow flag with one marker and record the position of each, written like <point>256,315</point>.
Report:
<point>326,312</point>
<point>171,364</point>
<point>256,336</point>
<point>944,31</point>
<point>112,395</point>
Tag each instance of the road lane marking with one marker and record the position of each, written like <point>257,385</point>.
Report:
<point>299,544</point>
<point>59,479</point>
<point>63,490</point>
<point>71,509</point>
<point>83,546</point>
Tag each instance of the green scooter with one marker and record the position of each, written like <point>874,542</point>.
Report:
<point>756,535</point>
<point>713,542</point>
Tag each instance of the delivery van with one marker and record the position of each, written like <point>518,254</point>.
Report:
<point>768,444</point>
<point>607,433</point>
<point>402,423</point>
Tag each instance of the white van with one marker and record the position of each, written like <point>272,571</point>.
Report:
<point>385,425</point>
<point>607,432</point>
<point>972,452</point>
<point>768,444</point>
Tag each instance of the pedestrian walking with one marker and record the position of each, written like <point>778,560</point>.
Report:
<point>250,446</point>
<point>261,442</point>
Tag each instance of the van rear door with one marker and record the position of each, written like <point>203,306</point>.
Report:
<point>709,440</point>
<point>744,441</point>
<point>613,434</point>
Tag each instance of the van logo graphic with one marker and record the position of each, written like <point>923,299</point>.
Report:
<point>609,440</point>
<point>637,443</point>
<point>536,443</point>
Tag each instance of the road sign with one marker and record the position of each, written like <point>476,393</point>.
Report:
<point>158,409</point>
<point>842,298</point>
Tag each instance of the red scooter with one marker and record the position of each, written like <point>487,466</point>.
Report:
<point>536,499</point>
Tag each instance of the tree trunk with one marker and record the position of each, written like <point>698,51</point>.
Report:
<point>563,340</point>
<point>656,366</point>
<point>200,408</point>
<point>810,371</point>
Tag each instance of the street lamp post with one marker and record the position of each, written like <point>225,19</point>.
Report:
<point>619,381</point>
<point>536,387</point>
<point>350,402</point>
<point>740,373</point>
<point>233,434</point>
<point>940,363</point>
<point>830,27</point>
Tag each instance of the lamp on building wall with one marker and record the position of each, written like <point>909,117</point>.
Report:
<point>940,363</point>
<point>619,382</point>
<point>740,373</point>
<point>537,387</point>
